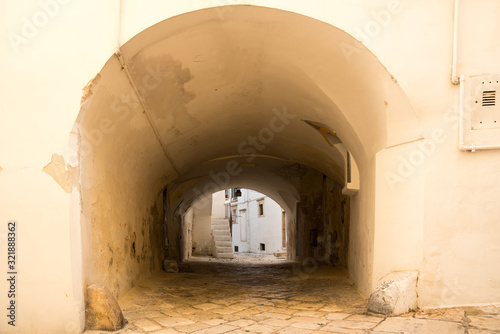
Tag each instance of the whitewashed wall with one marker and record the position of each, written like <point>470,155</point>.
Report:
<point>49,54</point>
<point>265,229</point>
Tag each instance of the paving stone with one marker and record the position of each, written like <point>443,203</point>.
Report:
<point>172,322</point>
<point>284,310</point>
<point>203,316</point>
<point>307,306</point>
<point>191,328</point>
<point>488,322</point>
<point>261,316</point>
<point>277,322</point>
<point>239,307</point>
<point>170,312</point>
<point>485,310</point>
<point>336,316</point>
<point>307,325</point>
<point>247,312</point>
<point>316,314</point>
<point>331,308</point>
<point>419,326</point>
<point>166,331</point>
<point>186,310</point>
<point>454,314</point>
<point>214,322</point>
<point>216,330</point>
<point>293,330</point>
<point>348,331</point>
<point>347,324</point>
<point>307,298</point>
<point>167,306</point>
<point>311,320</point>
<point>241,323</point>
<point>276,315</point>
<point>259,328</point>
<point>264,308</point>
<point>230,317</point>
<point>151,314</point>
<point>223,311</point>
<point>364,318</point>
<point>147,325</point>
<point>481,331</point>
<point>225,302</point>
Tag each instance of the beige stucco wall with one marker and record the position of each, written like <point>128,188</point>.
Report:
<point>202,225</point>
<point>445,228</point>
<point>218,208</point>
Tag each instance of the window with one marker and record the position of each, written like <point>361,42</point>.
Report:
<point>236,249</point>
<point>260,208</point>
<point>235,193</point>
<point>234,215</point>
<point>262,247</point>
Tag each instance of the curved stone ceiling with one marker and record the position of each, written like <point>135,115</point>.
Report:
<point>193,94</point>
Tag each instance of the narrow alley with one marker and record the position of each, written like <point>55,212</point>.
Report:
<point>263,294</point>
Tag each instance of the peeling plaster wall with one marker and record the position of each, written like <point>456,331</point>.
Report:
<point>64,175</point>
<point>123,234</point>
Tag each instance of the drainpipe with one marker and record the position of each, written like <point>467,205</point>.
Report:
<point>119,32</point>
<point>454,76</point>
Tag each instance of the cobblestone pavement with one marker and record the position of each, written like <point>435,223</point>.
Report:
<point>273,296</point>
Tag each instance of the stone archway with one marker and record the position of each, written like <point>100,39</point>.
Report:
<point>196,96</point>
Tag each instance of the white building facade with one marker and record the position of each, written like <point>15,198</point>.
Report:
<point>258,222</point>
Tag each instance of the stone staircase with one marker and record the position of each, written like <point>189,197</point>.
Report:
<point>222,244</point>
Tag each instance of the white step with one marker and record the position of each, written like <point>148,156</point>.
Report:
<point>220,228</point>
<point>222,238</point>
<point>225,255</point>
<point>220,250</point>
<point>220,222</point>
<point>218,233</point>
<point>223,243</point>
<point>218,238</point>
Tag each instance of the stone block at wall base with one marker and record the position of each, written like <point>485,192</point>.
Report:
<point>395,294</point>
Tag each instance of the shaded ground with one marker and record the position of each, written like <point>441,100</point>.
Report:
<point>270,295</point>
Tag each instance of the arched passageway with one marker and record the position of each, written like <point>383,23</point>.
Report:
<point>263,99</point>
<point>232,222</point>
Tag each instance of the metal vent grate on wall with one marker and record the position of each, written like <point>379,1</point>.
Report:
<point>485,112</point>
<point>489,98</point>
